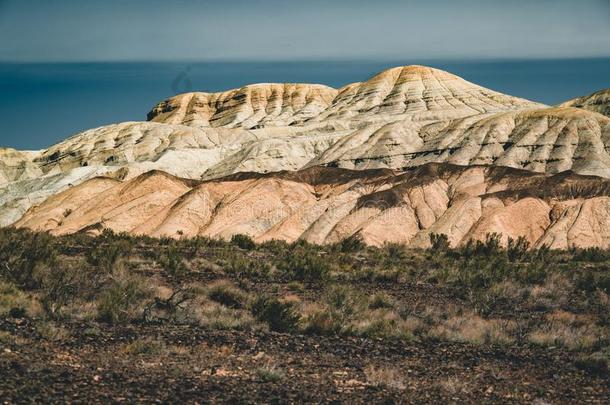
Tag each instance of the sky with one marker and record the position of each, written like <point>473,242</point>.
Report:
<point>163,30</point>
<point>70,65</point>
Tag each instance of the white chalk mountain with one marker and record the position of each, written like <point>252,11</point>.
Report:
<point>403,117</point>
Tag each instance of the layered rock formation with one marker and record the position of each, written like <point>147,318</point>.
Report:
<point>403,117</point>
<point>253,106</point>
<point>326,205</point>
<point>598,102</point>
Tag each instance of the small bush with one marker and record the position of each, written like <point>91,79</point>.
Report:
<point>270,373</point>
<point>439,242</point>
<point>108,252</point>
<point>60,287</point>
<point>144,347</point>
<point>243,241</point>
<point>380,323</point>
<point>228,295</point>
<point>474,329</point>
<point>568,330</point>
<point>14,302</point>
<point>491,246</point>
<point>351,244</point>
<point>173,263</point>
<point>22,253</point>
<point>395,253</point>
<point>345,300</point>
<point>381,300</point>
<point>245,266</point>
<point>591,254</point>
<point>517,249</point>
<point>321,320</point>
<point>281,316</point>
<point>305,265</point>
<point>596,363</point>
<point>295,286</point>
<point>52,331</point>
<point>219,317</point>
<point>119,300</point>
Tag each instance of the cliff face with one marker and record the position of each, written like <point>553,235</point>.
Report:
<point>401,118</point>
<point>326,205</point>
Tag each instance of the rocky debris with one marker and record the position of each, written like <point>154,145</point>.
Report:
<point>198,365</point>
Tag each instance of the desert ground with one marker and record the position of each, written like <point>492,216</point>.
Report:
<point>119,318</point>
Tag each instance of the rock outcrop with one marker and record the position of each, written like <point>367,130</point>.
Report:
<point>325,205</point>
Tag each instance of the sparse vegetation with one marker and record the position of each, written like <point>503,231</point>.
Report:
<point>270,373</point>
<point>481,294</point>
<point>225,293</point>
<point>279,315</point>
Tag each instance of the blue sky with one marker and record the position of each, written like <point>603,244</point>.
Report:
<point>122,30</point>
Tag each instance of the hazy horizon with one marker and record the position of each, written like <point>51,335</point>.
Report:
<point>268,30</point>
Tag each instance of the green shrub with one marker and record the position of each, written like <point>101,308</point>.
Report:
<point>119,300</point>
<point>281,316</point>
<point>60,287</point>
<point>172,262</point>
<point>439,242</point>
<point>517,249</point>
<point>248,267</point>
<point>344,299</point>
<point>324,322</point>
<point>107,254</point>
<point>394,252</point>
<point>270,373</point>
<point>381,300</point>
<point>304,265</point>
<point>13,301</point>
<point>243,241</point>
<point>277,247</point>
<point>351,244</point>
<point>590,254</point>
<point>22,252</point>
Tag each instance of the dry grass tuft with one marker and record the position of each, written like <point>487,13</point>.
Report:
<point>270,372</point>
<point>384,376</point>
<point>474,329</point>
<point>569,330</point>
<point>554,293</point>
